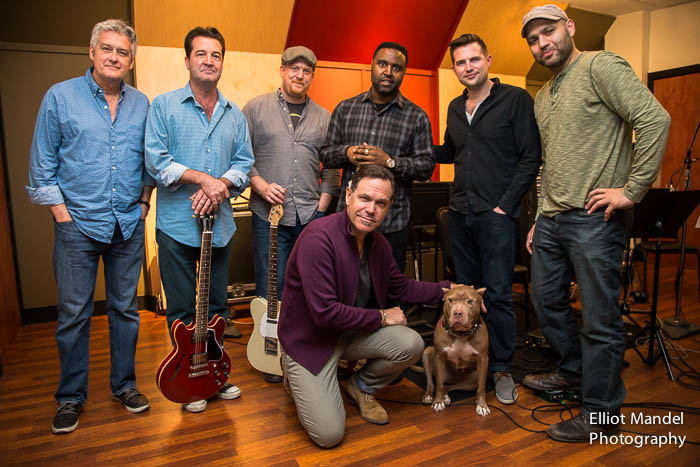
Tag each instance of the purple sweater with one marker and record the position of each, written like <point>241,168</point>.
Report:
<point>321,286</point>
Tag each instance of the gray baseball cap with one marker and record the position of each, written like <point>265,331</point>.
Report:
<point>298,51</point>
<point>550,12</point>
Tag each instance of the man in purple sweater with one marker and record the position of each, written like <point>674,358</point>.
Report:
<point>340,276</point>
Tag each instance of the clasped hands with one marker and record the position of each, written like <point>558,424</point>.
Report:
<point>212,192</point>
<point>364,154</point>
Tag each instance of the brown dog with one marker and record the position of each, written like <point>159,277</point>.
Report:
<point>459,356</point>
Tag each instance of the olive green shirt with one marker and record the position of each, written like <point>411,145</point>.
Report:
<point>586,116</point>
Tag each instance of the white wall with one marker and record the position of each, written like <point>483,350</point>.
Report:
<point>658,40</point>
<point>674,37</point>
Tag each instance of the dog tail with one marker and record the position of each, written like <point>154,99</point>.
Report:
<point>417,369</point>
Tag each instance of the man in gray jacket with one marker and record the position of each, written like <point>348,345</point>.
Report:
<point>287,129</point>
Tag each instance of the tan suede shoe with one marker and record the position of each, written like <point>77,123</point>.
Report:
<point>370,410</point>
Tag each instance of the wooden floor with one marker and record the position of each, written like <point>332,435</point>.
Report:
<point>261,428</point>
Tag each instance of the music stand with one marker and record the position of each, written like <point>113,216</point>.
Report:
<point>661,213</point>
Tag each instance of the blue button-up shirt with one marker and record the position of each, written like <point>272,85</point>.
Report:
<point>179,136</point>
<point>82,158</point>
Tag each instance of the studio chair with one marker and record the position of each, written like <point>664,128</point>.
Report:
<point>668,246</point>
<point>426,199</point>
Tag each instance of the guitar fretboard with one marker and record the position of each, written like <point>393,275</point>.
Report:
<point>202,318</point>
<point>272,275</point>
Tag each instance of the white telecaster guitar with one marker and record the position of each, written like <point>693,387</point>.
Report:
<point>263,349</point>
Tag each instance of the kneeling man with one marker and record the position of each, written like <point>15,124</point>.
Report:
<point>339,279</point>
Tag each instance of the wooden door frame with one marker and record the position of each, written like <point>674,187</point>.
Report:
<point>684,70</point>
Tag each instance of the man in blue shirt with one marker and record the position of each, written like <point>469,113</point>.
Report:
<point>199,152</point>
<point>86,164</point>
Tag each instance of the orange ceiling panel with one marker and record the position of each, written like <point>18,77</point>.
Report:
<point>350,30</point>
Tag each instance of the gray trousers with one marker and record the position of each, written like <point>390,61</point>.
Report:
<point>388,351</point>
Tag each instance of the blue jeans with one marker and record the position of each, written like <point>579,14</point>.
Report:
<point>576,243</point>
<point>483,251</point>
<point>286,237</point>
<point>75,260</point>
<point>178,271</point>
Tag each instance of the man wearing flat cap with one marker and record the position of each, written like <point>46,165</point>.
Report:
<point>287,129</point>
<point>591,176</point>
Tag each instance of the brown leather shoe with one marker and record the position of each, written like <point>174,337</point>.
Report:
<point>578,430</point>
<point>370,410</point>
<point>549,381</point>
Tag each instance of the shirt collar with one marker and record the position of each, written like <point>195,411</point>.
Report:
<point>186,93</point>
<point>282,100</point>
<point>398,100</point>
<point>494,88</point>
<point>95,88</point>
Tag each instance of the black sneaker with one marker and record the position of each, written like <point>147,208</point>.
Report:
<point>133,400</point>
<point>66,419</point>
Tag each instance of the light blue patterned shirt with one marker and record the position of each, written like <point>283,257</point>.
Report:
<point>82,158</point>
<point>179,136</point>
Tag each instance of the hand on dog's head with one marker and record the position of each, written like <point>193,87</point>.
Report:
<point>462,307</point>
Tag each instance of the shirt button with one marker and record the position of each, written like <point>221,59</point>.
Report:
<point>290,125</point>
<point>114,167</point>
<point>113,147</point>
<point>295,160</point>
<point>208,150</point>
<point>114,189</point>
<point>208,170</point>
<point>372,132</point>
<point>105,106</point>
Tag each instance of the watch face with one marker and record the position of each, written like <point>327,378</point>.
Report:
<point>390,163</point>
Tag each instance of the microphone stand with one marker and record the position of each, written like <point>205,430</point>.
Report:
<point>677,327</point>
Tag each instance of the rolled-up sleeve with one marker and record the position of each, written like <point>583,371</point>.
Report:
<point>160,164</point>
<point>241,158</point>
<point>43,157</point>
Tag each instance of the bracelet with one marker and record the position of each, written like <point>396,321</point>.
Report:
<point>383,312</point>
<point>145,203</point>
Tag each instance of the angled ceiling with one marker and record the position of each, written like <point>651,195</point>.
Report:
<point>498,24</point>
<point>350,30</point>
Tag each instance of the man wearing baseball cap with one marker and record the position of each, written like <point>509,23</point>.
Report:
<point>287,129</point>
<point>591,176</point>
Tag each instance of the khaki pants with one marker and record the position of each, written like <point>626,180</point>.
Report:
<point>388,351</point>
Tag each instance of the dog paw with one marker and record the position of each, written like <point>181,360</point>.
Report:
<point>427,399</point>
<point>446,399</point>
<point>438,406</point>
<point>483,410</point>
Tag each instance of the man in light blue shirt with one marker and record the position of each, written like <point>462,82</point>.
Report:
<point>198,150</point>
<point>86,164</point>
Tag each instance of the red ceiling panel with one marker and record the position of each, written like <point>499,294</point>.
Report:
<point>350,30</point>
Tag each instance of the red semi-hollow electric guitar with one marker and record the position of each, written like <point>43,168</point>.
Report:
<point>198,366</point>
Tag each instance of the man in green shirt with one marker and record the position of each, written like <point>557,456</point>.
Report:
<point>591,176</point>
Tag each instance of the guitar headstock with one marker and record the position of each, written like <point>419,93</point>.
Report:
<point>206,222</point>
<point>276,213</point>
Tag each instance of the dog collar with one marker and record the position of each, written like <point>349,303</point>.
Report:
<point>468,333</point>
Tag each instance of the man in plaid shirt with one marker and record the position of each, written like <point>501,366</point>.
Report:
<point>381,126</point>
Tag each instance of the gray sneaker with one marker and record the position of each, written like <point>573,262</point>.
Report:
<point>506,392</point>
<point>66,419</point>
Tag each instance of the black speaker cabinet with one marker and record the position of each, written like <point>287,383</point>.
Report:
<point>240,269</point>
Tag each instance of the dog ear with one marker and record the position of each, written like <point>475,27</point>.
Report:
<point>481,291</point>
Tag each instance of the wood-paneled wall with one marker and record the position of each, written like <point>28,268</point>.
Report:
<point>9,301</point>
<point>680,96</point>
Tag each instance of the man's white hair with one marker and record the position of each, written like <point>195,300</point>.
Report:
<point>114,25</point>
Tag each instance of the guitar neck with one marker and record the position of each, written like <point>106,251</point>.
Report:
<point>202,316</point>
<point>272,274</point>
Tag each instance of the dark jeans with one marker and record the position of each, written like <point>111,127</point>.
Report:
<point>286,237</point>
<point>399,244</point>
<point>483,251</point>
<point>575,242</point>
<point>178,271</point>
<point>75,261</point>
